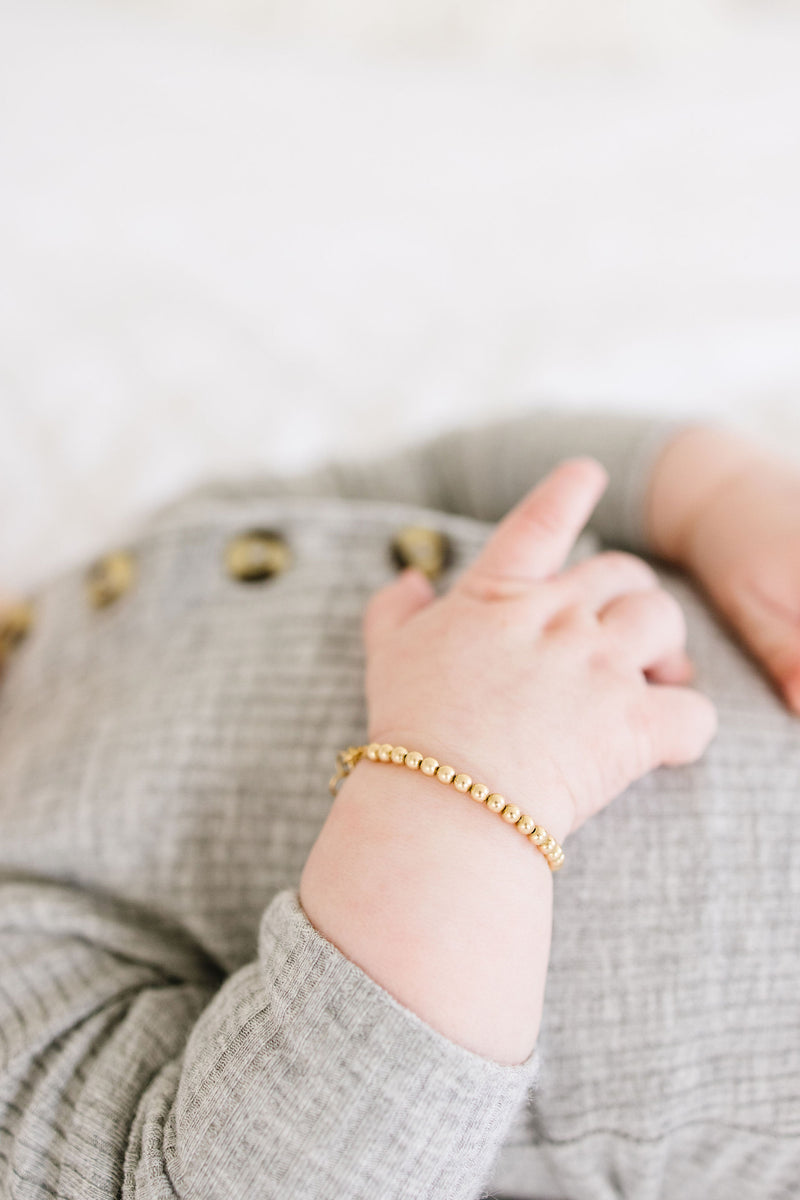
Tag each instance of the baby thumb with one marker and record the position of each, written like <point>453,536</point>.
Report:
<point>392,605</point>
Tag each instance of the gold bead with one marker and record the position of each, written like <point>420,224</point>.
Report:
<point>495,801</point>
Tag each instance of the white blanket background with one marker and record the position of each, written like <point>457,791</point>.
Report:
<point>241,234</point>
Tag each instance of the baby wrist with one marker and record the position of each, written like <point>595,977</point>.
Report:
<point>545,839</point>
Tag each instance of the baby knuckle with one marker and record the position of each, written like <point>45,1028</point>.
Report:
<point>629,567</point>
<point>489,587</point>
<point>575,618</point>
<point>669,611</point>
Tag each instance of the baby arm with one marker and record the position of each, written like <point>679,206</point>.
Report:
<point>533,683</point>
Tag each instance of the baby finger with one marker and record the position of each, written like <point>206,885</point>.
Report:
<point>648,626</point>
<point>680,724</point>
<point>598,580</point>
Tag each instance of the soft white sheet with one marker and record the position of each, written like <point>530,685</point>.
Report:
<point>219,250</point>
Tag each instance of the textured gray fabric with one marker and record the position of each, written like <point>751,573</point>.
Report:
<point>172,1025</point>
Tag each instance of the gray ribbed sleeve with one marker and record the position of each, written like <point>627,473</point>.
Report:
<point>320,1084</point>
<point>482,470</point>
<point>128,1070</point>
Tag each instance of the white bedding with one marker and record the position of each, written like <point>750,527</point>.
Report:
<point>219,249</point>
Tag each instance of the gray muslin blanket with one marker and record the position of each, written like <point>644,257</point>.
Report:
<point>172,1025</point>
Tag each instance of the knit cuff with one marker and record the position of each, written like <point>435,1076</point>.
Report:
<point>328,1086</point>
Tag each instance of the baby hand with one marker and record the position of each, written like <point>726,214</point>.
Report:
<point>728,511</point>
<point>743,545</point>
<point>531,678</point>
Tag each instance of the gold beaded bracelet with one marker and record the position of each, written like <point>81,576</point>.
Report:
<point>376,752</point>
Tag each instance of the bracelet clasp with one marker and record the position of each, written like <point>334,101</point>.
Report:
<point>345,761</point>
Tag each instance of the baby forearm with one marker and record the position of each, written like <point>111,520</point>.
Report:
<point>440,902</point>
